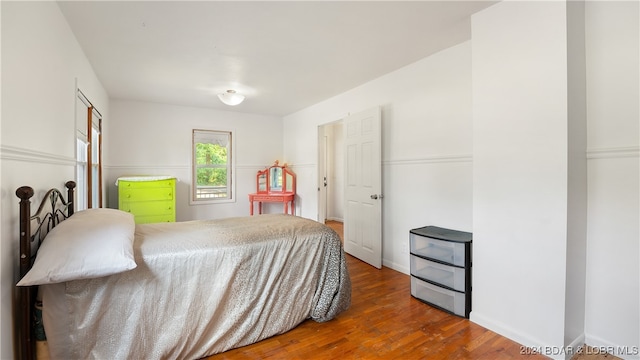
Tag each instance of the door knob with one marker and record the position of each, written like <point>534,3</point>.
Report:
<point>374,197</point>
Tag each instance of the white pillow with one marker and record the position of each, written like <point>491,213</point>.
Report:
<point>91,243</point>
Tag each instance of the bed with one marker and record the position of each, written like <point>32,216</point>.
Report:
<point>183,290</point>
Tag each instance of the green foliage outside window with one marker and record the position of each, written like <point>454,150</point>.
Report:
<point>211,164</point>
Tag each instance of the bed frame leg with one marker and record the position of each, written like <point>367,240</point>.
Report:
<point>26,344</point>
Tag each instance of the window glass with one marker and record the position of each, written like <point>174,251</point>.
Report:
<point>212,165</point>
<point>81,174</point>
<point>95,168</point>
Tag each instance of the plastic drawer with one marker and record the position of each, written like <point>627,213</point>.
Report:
<point>446,275</point>
<point>449,300</point>
<point>441,250</point>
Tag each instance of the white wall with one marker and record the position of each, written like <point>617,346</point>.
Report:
<point>426,146</point>
<point>613,97</point>
<point>155,139</point>
<point>520,170</point>
<point>574,305</point>
<point>41,63</point>
<point>533,309</point>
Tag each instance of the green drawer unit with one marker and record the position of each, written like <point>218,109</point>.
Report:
<point>150,199</point>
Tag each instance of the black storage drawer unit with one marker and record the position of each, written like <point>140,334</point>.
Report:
<point>441,268</point>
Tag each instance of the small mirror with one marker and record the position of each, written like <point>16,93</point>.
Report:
<point>275,178</point>
<point>262,182</point>
<point>289,181</point>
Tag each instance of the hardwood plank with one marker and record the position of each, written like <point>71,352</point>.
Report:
<point>385,321</point>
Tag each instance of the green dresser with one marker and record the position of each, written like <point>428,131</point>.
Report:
<point>150,199</point>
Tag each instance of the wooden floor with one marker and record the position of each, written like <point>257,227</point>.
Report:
<point>384,322</point>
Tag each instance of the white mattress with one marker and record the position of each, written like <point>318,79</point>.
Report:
<point>200,288</point>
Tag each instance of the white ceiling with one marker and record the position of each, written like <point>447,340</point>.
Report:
<point>284,56</point>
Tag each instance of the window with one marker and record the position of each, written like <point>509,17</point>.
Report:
<point>213,170</point>
<point>88,155</point>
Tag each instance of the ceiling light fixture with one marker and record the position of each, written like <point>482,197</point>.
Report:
<point>231,97</point>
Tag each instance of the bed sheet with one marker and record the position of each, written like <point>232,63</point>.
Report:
<point>200,288</point>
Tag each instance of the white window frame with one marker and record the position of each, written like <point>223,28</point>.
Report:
<point>85,132</point>
<point>231,167</point>
<point>81,172</point>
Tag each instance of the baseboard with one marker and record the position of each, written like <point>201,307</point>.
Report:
<point>600,346</point>
<point>528,342</point>
<point>395,266</point>
<point>576,345</point>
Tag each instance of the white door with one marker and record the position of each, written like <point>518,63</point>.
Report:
<point>363,186</point>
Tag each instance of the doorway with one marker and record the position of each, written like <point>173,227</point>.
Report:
<point>331,172</point>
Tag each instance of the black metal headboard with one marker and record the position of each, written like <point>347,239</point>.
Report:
<point>52,210</point>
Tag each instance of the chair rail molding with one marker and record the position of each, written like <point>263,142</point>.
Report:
<point>27,155</point>
<point>443,158</point>
<point>616,152</point>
